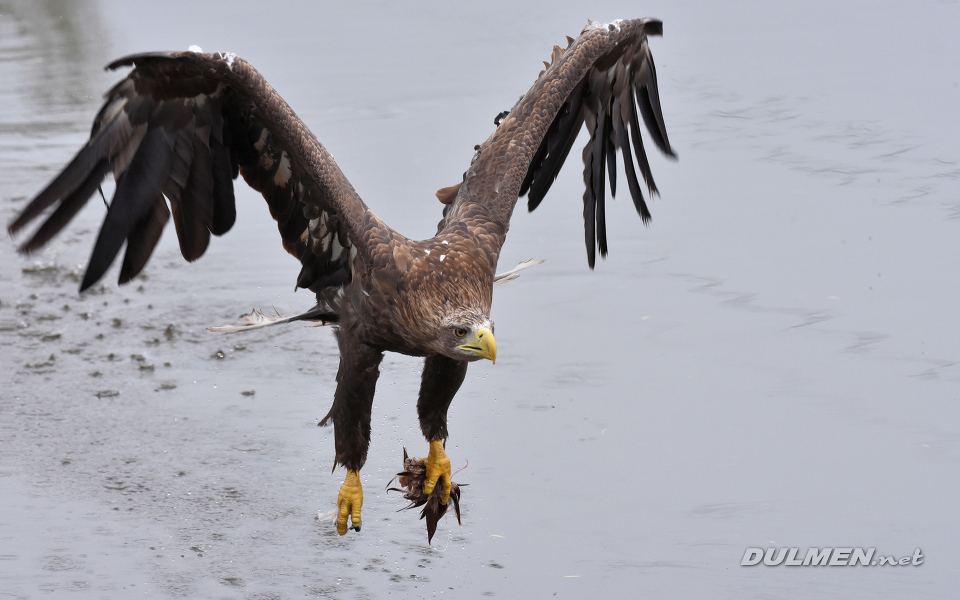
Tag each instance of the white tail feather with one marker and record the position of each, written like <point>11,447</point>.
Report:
<point>513,273</point>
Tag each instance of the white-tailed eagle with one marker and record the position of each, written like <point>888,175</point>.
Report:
<point>181,126</point>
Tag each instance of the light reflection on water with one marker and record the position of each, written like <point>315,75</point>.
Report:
<point>772,362</point>
<point>55,49</point>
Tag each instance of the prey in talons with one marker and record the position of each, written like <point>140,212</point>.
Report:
<point>418,484</point>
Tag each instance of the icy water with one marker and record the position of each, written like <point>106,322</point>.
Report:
<point>774,362</point>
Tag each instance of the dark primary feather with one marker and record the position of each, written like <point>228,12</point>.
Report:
<point>143,239</point>
<point>137,190</point>
<point>224,203</point>
<point>649,103</point>
<point>70,206</point>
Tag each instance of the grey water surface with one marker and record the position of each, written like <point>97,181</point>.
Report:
<point>773,363</point>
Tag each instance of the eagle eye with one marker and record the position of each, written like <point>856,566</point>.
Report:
<point>460,332</point>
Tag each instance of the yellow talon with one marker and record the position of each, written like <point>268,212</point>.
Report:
<point>438,469</point>
<point>349,502</point>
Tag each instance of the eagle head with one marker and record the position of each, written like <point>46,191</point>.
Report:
<point>448,287</point>
<point>467,334</point>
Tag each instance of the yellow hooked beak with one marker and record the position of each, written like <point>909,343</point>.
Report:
<point>482,343</point>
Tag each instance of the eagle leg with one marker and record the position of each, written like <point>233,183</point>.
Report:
<point>442,377</point>
<point>350,413</point>
<point>349,502</point>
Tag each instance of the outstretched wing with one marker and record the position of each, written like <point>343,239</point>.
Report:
<point>179,128</point>
<point>605,79</point>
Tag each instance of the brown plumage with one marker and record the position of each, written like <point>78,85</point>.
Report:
<point>183,125</point>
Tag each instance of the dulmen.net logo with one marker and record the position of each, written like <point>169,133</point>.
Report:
<point>830,557</point>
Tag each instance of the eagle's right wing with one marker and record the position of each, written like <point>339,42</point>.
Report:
<point>179,128</point>
<point>606,80</point>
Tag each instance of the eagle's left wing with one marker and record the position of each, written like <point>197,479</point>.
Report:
<point>605,79</point>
